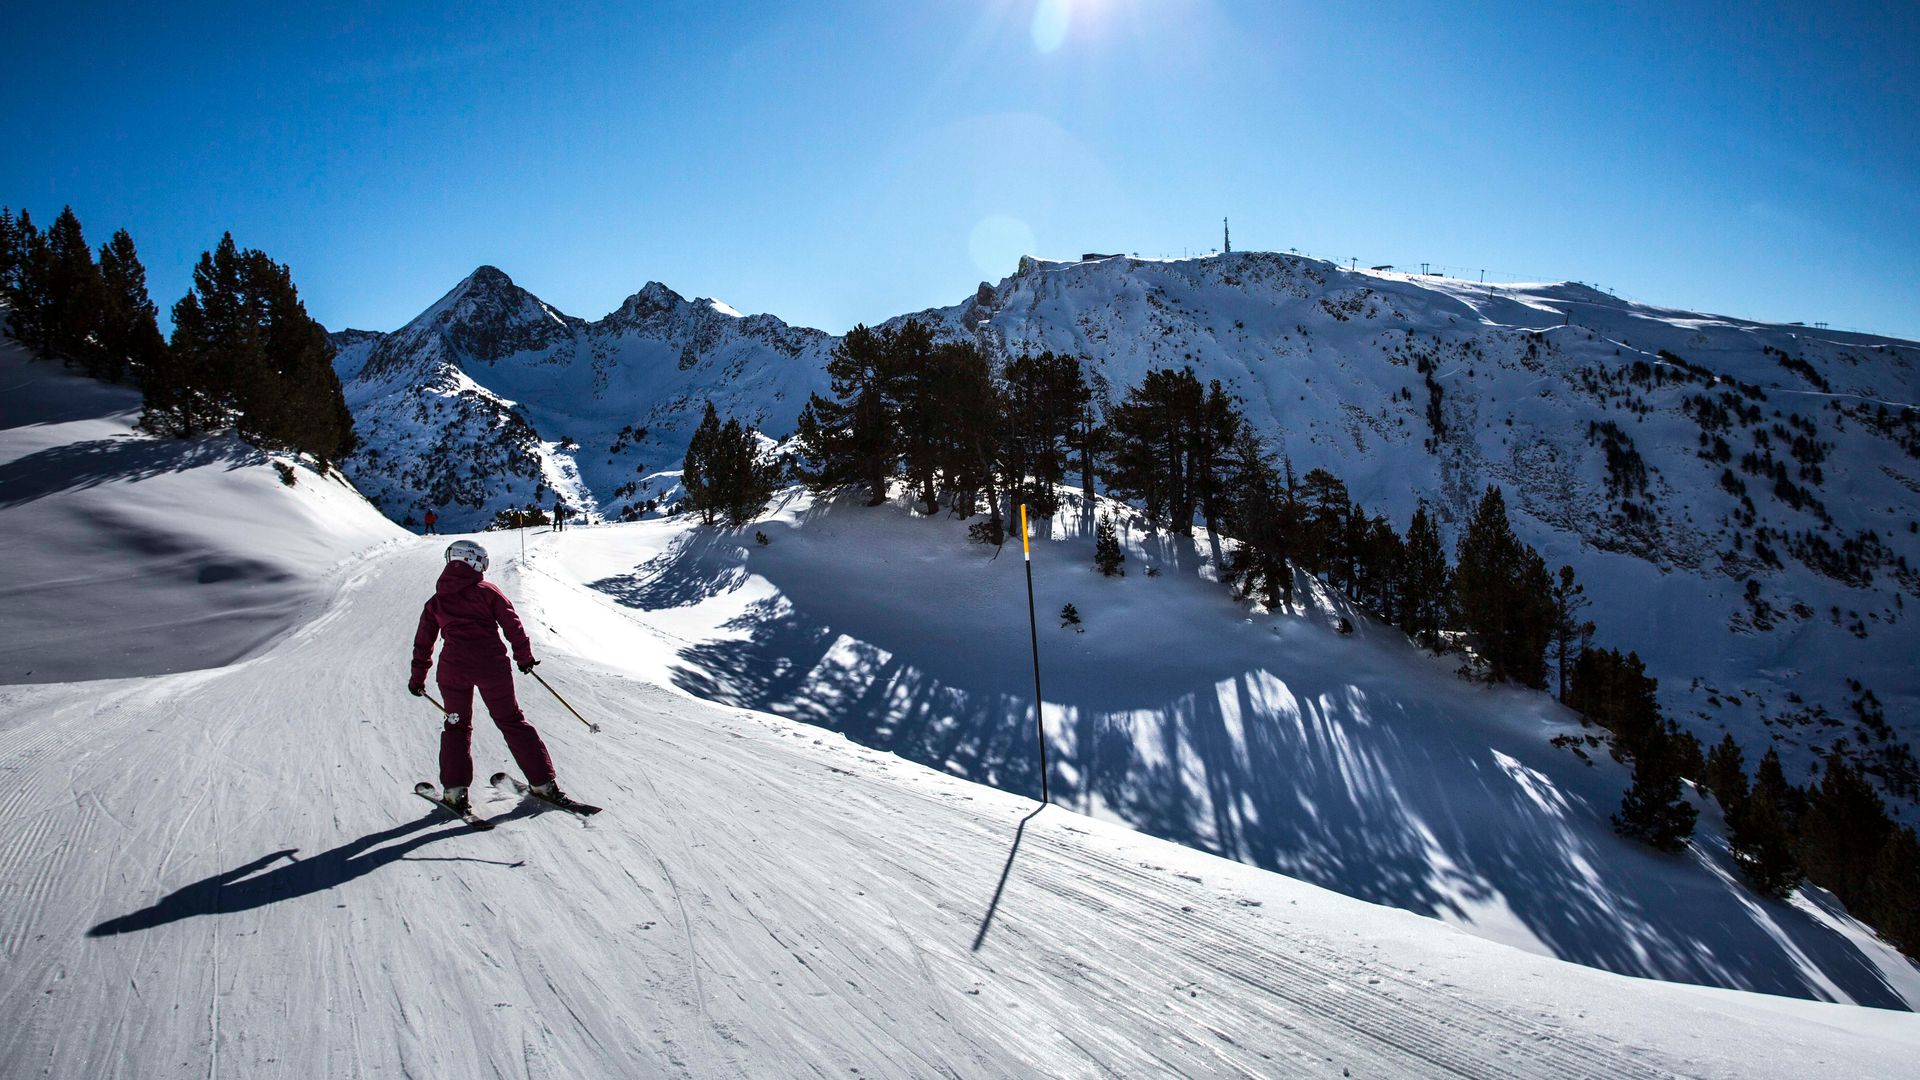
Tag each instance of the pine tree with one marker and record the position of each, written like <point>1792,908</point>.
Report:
<point>1324,498</point>
<point>910,391</point>
<point>1760,837</point>
<point>1423,582</point>
<point>1173,448</point>
<point>1215,435</point>
<point>245,352</point>
<point>1378,567</point>
<point>1106,549</point>
<point>968,431</point>
<point>10,255</point>
<point>1726,774</point>
<point>852,437</point>
<point>1090,437</point>
<point>26,284</point>
<point>697,469</point>
<point>1615,692</point>
<point>69,295</point>
<point>724,473</point>
<point>1259,518</point>
<point>1570,632</point>
<point>1760,831</point>
<point>1504,594</point>
<point>1069,616</point>
<point>750,477</point>
<point>1654,811</point>
<point>129,337</point>
<point>1046,400</point>
<point>1892,901</point>
<point>1841,831</point>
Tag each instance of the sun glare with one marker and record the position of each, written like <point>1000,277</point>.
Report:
<point>1050,21</point>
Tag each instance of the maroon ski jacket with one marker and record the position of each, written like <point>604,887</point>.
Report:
<point>466,610</point>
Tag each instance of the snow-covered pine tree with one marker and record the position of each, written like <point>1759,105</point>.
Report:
<point>1107,555</point>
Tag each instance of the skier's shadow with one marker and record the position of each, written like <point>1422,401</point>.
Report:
<point>245,887</point>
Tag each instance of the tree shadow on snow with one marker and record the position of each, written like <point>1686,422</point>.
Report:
<point>253,885</point>
<point>1302,752</point>
<point>81,465</point>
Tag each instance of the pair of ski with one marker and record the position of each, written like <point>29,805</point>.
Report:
<point>504,782</point>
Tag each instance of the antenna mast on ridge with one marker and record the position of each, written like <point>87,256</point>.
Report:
<point>1226,238</point>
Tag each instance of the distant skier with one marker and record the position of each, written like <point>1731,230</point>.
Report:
<point>559,514</point>
<point>432,519</point>
<point>470,613</point>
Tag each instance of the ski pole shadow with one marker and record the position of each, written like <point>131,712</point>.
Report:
<point>993,907</point>
<point>246,887</point>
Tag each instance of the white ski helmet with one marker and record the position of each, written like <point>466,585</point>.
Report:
<point>468,552</point>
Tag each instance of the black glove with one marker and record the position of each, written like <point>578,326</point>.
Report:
<point>417,689</point>
<point>527,667</point>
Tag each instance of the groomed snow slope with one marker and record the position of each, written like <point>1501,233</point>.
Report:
<point>1360,763</point>
<point>220,873</point>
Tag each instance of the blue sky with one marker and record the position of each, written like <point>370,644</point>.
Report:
<point>842,162</point>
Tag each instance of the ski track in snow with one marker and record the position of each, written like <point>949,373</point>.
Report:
<point>761,898</point>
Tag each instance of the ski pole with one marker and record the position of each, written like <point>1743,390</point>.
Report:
<point>591,726</point>
<point>436,704</point>
<point>1033,635</point>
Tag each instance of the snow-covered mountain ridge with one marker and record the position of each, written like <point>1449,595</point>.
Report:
<point>1740,497</point>
<point>491,398</point>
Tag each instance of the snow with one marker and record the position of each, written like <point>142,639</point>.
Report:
<point>1357,763</point>
<point>221,871</point>
<point>127,573</point>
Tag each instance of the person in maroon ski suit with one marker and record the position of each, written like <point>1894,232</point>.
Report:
<point>470,613</point>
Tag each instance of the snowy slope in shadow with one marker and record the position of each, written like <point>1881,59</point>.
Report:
<point>131,555</point>
<point>1356,763</point>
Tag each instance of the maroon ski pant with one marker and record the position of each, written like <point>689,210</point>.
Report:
<point>456,738</point>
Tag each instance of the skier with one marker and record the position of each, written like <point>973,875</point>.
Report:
<point>559,514</point>
<point>431,519</point>
<point>470,613</point>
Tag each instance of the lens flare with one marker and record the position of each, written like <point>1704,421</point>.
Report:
<point>1050,21</point>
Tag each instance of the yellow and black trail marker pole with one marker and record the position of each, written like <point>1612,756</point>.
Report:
<point>1033,634</point>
